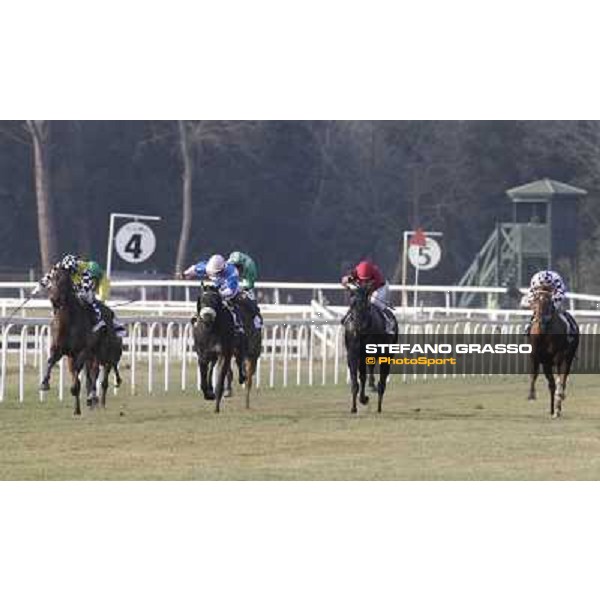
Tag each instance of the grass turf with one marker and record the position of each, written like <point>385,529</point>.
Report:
<point>451,430</point>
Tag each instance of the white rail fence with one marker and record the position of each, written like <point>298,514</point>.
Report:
<point>159,357</point>
<point>177,297</point>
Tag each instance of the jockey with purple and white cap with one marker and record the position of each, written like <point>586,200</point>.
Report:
<point>552,281</point>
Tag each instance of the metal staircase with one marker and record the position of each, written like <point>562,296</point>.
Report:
<point>510,255</point>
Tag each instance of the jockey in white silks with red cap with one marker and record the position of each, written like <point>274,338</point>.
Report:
<point>553,281</point>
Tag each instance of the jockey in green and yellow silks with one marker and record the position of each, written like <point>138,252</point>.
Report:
<point>87,277</point>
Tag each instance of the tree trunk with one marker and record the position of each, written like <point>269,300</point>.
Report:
<point>40,133</point>
<point>78,200</point>
<point>187,175</point>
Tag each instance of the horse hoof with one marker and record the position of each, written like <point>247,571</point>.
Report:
<point>227,394</point>
<point>372,388</point>
<point>531,398</point>
<point>364,401</point>
<point>353,410</point>
<point>44,386</point>
<point>210,396</point>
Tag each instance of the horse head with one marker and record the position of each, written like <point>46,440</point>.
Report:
<point>360,313</point>
<point>209,305</point>
<point>543,309</point>
<point>61,292</point>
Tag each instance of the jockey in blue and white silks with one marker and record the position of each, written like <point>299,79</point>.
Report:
<point>224,276</point>
<point>553,281</point>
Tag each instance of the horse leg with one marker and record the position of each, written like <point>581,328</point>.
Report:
<point>561,386</point>
<point>55,355</point>
<point>118,379</point>
<point>551,385</point>
<point>250,368</point>
<point>535,370</point>
<point>228,381</point>
<point>205,379</point>
<point>371,385</point>
<point>222,364</point>
<point>362,373</point>
<point>75,385</point>
<point>92,370</point>
<point>104,385</point>
<point>353,367</point>
<point>383,376</point>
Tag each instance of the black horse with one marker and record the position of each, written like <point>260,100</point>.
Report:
<point>365,324</point>
<point>214,342</point>
<point>247,350</point>
<point>552,348</point>
<point>73,336</point>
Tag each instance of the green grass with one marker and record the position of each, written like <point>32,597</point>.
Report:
<point>457,429</point>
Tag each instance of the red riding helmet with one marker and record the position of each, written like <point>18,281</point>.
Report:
<point>365,271</point>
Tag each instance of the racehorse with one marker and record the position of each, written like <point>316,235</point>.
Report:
<point>249,349</point>
<point>72,336</point>
<point>551,348</point>
<point>214,340</point>
<point>365,324</point>
<point>108,356</point>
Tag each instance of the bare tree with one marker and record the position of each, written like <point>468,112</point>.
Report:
<point>193,136</point>
<point>40,135</point>
<point>187,176</point>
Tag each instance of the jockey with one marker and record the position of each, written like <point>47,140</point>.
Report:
<point>225,278</point>
<point>555,283</point>
<point>248,274</point>
<point>368,275</point>
<point>247,271</point>
<point>85,276</point>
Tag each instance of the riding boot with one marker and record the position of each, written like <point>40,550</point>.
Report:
<point>572,322</point>
<point>239,323</point>
<point>390,321</point>
<point>256,316</point>
<point>568,320</point>
<point>100,323</point>
<point>118,328</point>
<point>237,320</point>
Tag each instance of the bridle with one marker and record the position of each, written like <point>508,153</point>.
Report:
<point>539,317</point>
<point>359,307</point>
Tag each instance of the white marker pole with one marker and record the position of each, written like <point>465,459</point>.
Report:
<point>417,269</point>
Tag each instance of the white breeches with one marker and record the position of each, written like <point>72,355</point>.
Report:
<point>380,297</point>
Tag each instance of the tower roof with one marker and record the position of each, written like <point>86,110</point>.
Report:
<point>544,189</point>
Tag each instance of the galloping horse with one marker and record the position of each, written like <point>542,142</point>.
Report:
<point>365,324</point>
<point>214,340</point>
<point>247,351</point>
<point>72,336</point>
<point>551,348</point>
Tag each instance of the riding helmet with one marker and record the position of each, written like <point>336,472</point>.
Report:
<point>216,263</point>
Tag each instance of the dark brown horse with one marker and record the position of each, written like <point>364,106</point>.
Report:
<point>214,340</point>
<point>552,348</point>
<point>246,351</point>
<point>72,336</point>
<point>365,324</point>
